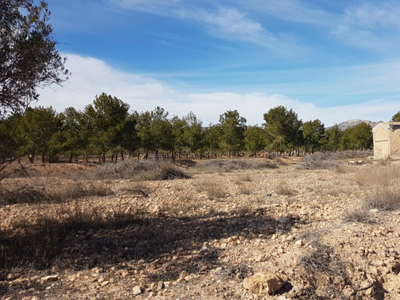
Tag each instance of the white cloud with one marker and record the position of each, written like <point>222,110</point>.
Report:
<point>371,26</point>
<point>91,77</point>
<point>225,22</point>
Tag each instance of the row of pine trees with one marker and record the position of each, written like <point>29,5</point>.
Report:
<point>106,128</point>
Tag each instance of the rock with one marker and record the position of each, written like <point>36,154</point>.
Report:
<point>299,243</point>
<point>262,283</point>
<point>47,279</point>
<point>160,285</point>
<point>137,290</point>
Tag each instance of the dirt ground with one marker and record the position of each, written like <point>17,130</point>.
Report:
<point>201,237</point>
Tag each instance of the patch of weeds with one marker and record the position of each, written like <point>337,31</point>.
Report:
<point>245,190</point>
<point>238,271</point>
<point>341,169</point>
<point>24,194</point>
<point>138,170</point>
<point>361,215</point>
<point>320,266</point>
<point>329,160</point>
<point>244,178</point>
<point>228,165</point>
<point>214,189</point>
<point>383,198</point>
<point>284,189</point>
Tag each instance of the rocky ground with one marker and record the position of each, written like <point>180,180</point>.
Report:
<point>291,232</point>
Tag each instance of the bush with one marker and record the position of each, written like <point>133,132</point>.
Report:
<point>138,170</point>
<point>214,189</point>
<point>228,165</point>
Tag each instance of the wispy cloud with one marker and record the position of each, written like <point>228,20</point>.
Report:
<point>373,26</point>
<point>291,10</point>
<point>222,21</point>
<point>91,77</point>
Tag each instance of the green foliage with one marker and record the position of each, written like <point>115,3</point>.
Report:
<point>357,137</point>
<point>283,128</point>
<point>313,133</point>
<point>212,138</point>
<point>28,57</point>
<point>193,134</point>
<point>396,117</point>
<point>233,127</point>
<point>8,144</point>
<point>105,119</point>
<point>36,129</point>
<point>255,139</point>
<point>155,130</point>
<point>333,135</point>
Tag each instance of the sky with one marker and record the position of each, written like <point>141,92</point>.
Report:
<point>327,60</point>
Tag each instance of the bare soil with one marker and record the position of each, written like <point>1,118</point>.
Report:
<point>200,237</point>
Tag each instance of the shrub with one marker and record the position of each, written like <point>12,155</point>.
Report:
<point>138,170</point>
<point>214,189</point>
<point>228,165</point>
<point>383,198</point>
<point>283,189</point>
<point>361,215</point>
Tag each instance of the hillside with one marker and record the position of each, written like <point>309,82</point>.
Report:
<point>350,123</point>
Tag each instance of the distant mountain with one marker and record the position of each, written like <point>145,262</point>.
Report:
<point>351,123</point>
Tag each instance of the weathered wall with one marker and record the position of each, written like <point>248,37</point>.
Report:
<point>381,142</point>
<point>387,140</point>
<point>395,143</point>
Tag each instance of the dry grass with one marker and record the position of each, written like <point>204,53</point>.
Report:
<point>330,160</point>
<point>284,189</point>
<point>383,198</point>
<point>214,189</point>
<point>137,170</point>
<point>39,242</point>
<point>52,191</point>
<point>381,186</point>
<point>360,214</point>
<point>228,165</point>
<point>245,190</point>
<point>319,266</point>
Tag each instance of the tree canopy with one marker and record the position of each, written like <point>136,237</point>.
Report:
<point>396,117</point>
<point>28,55</point>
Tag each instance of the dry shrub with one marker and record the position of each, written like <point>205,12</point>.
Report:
<point>214,189</point>
<point>239,179</point>
<point>245,190</point>
<point>383,198</point>
<point>284,189</point>
<point>329,160</point>
<point>138,170</point>
<point>52,191</point>
<point>39,243</point>
<point>378,175</point>
<point>381,186</point>
<point>228,165</point>
<point>341,169</point>
<point>24,194</point>
<point>360,214</point>
<point>321,265</point>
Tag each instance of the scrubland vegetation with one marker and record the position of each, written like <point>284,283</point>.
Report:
<point>196,229</point>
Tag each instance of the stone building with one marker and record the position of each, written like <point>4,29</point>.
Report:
<point>386,140</point>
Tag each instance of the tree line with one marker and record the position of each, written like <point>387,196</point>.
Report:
<point>106,128</point>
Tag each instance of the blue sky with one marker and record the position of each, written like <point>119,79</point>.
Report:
<point>331,60</point>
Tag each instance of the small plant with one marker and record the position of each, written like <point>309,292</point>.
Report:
<point>360,214</point>
<point>283,189</point>
<point>383,198</point>
<point>214,189</point>
<point>245,190</point>
<point>341,169</point>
